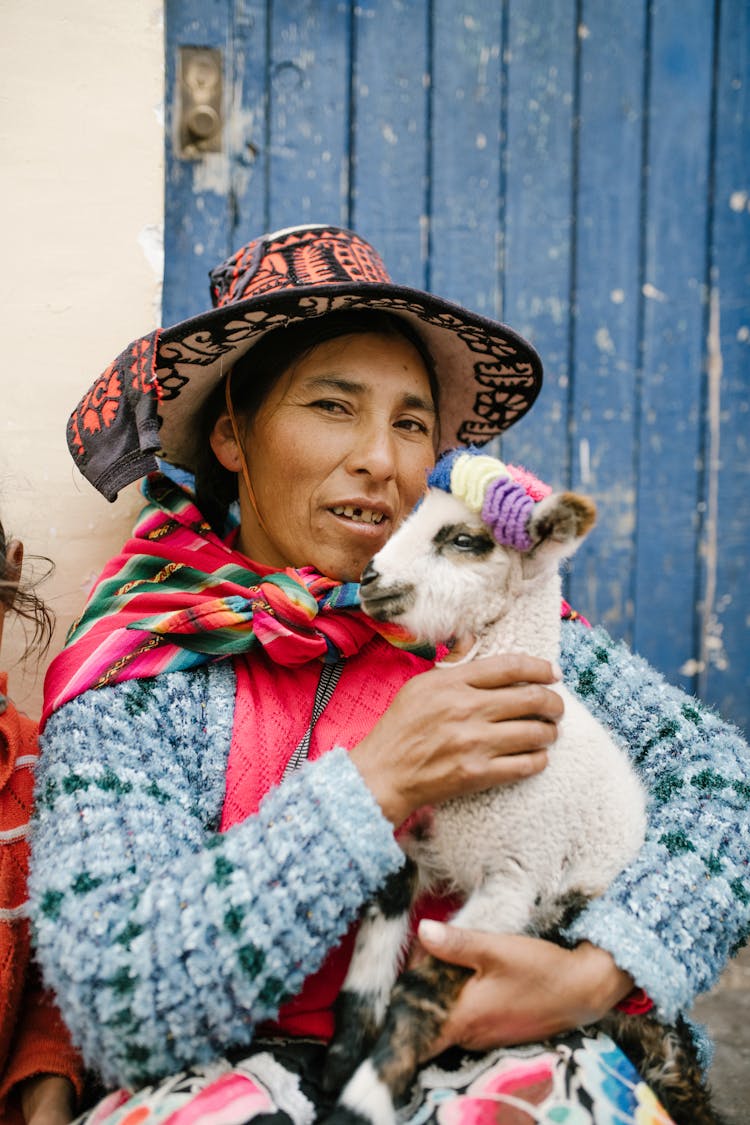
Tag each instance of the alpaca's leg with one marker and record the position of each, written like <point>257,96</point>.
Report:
<point>421,1001</point>
<point>420,1004</point>
<point>504,904</point>
<point>362,1002</point>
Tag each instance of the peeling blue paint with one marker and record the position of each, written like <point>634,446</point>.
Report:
<point>580,170</point>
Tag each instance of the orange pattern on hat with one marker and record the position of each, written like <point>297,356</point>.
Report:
<point>308,257</point>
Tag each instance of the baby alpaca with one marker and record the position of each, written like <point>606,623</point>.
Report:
<point>479,557</point>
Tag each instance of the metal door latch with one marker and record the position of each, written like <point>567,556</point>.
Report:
<point>199,102</point>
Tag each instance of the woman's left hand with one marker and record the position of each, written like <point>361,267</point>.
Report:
<point>47,1099</point>
<point>523,989</point>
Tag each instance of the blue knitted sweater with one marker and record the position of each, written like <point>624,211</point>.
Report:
<point>166,941</point>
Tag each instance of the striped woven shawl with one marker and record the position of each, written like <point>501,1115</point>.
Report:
<point>178,596</point>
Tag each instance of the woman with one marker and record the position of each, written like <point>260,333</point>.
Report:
<point>194,892</point>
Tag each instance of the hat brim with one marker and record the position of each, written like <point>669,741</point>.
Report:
<point>488,375</point>
<point>147,403</point>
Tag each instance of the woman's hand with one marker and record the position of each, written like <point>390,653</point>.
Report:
<point>47,1099</point>
<point>460,729</point>
<point>523,989</point>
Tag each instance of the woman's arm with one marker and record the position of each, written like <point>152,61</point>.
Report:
<point>460,729</point>
<point>682,908</point>
<point>164,940</point>
<point>672,917</point>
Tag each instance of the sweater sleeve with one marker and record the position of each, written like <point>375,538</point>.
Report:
<point>41,1044</point>
<point>674,916</point>
<point>164,940</point>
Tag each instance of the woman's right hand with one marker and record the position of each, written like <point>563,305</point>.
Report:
<point>460,729</point>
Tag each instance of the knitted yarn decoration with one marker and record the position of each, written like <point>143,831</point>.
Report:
<point>503,495</point>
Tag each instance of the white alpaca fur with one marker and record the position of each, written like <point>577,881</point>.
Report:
<point>515,850</point>
<point>519,854</point>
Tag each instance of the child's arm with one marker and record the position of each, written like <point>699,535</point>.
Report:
<point>47,1099</point>
<point>44,1077</point>
<point>39,1070</point>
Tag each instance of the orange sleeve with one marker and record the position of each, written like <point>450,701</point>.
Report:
<point>33,1038</point>
<point>41,1044</point>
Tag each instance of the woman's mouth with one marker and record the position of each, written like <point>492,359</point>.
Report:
<point>358,515</point>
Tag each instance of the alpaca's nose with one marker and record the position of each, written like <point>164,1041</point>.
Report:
<point>369,574</point>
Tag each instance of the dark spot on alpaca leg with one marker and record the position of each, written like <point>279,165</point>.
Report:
<point>560,916</point>
<point>357,1013</point>
<point>341,1115</point>
<point>421,1001</point>
<point>397,893</point>
<point>356,1031</point>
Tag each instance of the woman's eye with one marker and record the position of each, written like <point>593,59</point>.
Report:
<point>328,405</point>
<point>413,426</point>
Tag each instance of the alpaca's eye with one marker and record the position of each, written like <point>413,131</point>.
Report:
<point>472,544</point>
<point>463,540</point>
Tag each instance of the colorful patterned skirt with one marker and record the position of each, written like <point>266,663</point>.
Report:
<point>577,1080</point>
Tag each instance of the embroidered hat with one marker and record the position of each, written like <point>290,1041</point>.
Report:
<point>146,403</point>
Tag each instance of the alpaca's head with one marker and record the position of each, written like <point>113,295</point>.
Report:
<point>471,547</point>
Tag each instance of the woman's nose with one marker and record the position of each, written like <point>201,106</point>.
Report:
<point>373,452</point>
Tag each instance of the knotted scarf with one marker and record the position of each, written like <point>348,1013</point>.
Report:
<point>178,596</point>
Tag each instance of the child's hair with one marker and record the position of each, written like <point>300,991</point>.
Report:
<point>21,597</point>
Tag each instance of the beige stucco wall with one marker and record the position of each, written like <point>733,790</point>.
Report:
<point>81,190</point>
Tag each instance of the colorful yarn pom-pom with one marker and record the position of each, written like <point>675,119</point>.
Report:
<point>503,495</point>
<point>506,511</point>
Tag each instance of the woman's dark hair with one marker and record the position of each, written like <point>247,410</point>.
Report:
<point>255,373</point>
<point>22,599</point>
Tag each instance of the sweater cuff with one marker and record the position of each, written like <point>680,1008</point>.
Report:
<point>638,951</point>
<point>353,815</point>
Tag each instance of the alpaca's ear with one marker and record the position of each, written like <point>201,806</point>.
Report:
<point>564,518</point>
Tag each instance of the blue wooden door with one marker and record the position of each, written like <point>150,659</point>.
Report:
<point>578,168</point>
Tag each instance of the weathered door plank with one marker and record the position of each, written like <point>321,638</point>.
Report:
<point>607,303</point>
<point>673,334</point>
<point>541,47</point>
<point>580,170</point>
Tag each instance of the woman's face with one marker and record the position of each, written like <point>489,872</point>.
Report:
<point>337,455</point>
